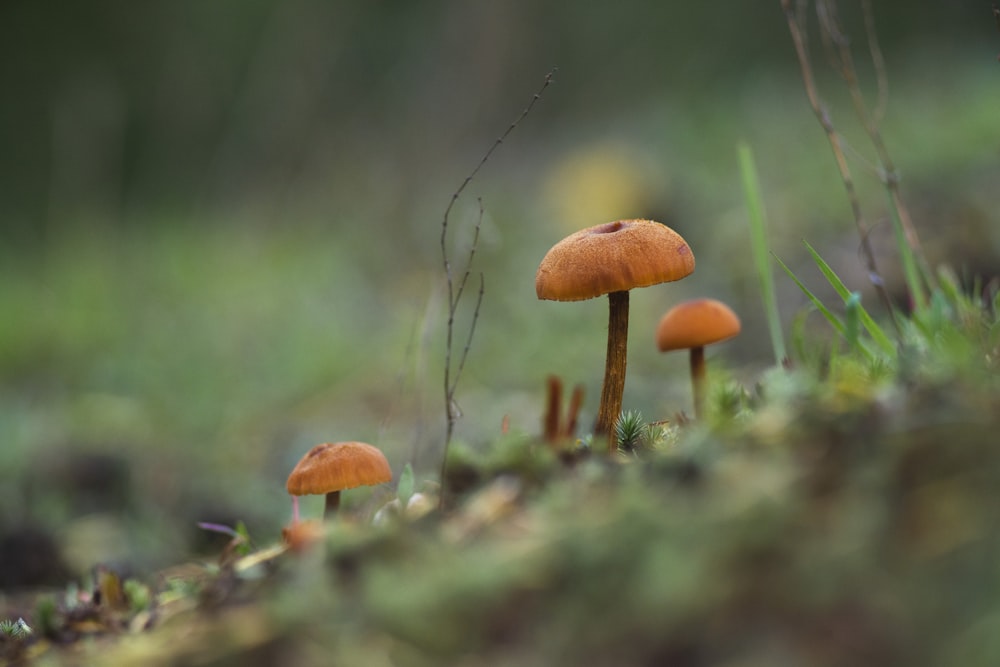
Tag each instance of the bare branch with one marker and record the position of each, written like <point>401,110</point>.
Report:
<point>455,292</point>
<point>878,62</point>
<point>468,179</point>
<point>838,47</point>
<point>796,25</point>
<point>871,123</point>
<point>472,251</point>
<point>472,330</point>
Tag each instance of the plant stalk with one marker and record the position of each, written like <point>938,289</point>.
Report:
<point>614,368</point>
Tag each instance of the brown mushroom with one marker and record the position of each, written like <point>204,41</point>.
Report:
<point>333,467</point>
<point>693,325</point>
<point>612,259</point>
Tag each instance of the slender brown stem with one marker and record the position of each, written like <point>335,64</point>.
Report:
<point>614,368</point>
<point>575,401</point>
<point>698,380</point>
<point>455,291</point>
<point>797,28</point>
<point>552,409</point>
<point>830,22</point>
<point>332,504</point>
<point>878,62</point>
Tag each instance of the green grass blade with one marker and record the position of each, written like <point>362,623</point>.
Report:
<point>834,321</point>
<point>824,311</point>
<point>798,337</point>
<point>873,329</point>
<point>852,309</point>
<point>911,273</point>
<point>761,253</point>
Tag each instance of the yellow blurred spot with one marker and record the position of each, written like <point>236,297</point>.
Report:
<point>598,184</point>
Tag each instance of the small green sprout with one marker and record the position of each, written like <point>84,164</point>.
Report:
<point>15,629</point>
<point>731,400</point>
<point>634,435</point>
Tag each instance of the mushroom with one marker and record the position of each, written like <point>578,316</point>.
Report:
<point>693,325</point>
<point>612,259</point>
<point>333,467</point>
<point>300,535</point>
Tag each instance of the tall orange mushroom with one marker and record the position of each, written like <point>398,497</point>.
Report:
<point>333,467</point>
<point>612,259</point>
<point>693,325</point>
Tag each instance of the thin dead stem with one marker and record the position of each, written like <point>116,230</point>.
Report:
<point>575,402</point>
<point>870,120</point>
<point>837,46</point>
<point>553,407</point>
<point>456,291</point>
<point>878,63</point>
<point>555,432</point>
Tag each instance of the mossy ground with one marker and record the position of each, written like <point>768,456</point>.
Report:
<point>838,524</point>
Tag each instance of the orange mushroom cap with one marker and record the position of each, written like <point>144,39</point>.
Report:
<point>696,323</point>
<point>613,257</point>
<point>337,466</point>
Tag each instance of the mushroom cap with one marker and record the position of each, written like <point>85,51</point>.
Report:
<point>337,466</point>
<point>613,257</point>
<point>696,323</point>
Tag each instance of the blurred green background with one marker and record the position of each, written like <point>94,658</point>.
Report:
<point>220,226</point>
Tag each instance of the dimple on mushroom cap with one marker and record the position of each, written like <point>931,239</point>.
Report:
<point>337,466</point>
<point>696,323</point>
<point>613,257</point>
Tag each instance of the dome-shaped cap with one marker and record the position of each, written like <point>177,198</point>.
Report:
<point>613,257</point>
<point>337,466</point>
<point>696,323</point>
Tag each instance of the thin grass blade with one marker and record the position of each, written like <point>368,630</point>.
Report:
<point>851,324</point>
<point>834,321</point>
<point>761,252</point>
<point>824,311</point>
<point>873,329</point>
<point>911,272</point>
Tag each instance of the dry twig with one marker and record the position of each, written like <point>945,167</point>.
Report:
<point>456,290</point>
<point>837,46</point>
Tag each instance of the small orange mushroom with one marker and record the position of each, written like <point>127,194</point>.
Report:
<point>333,467</point>
<point>693,325</point>
<point>301,535</point>
<point>612,259</point>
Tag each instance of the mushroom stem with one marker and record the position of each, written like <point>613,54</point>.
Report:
<point>698,380</point>
<point>332,504</point>
<point>295,509</point>
<point>614,368</point>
